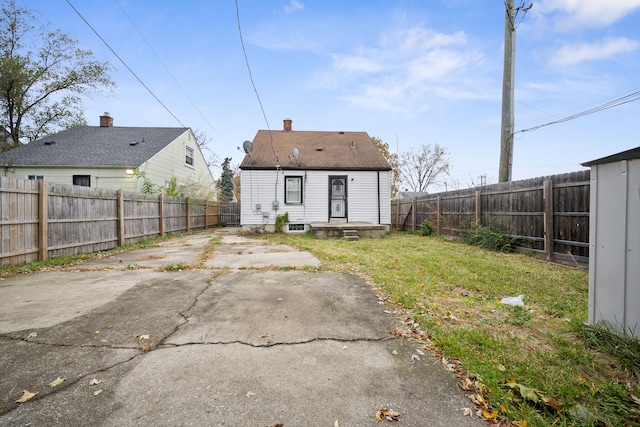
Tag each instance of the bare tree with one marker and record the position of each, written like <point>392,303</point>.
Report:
<point>210,156</point>
<point>420,169</point>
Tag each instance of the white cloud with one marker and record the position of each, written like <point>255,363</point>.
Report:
<point>406,71</point>
<point>586,13</point>
<point>576,53</point>
<point>294,6</point>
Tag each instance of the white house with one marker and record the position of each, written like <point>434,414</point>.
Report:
<point>108,156</point>
<point>315,177</point>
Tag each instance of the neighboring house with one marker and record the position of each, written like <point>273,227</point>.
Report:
<point>108,156</point>
<point>313,176</point>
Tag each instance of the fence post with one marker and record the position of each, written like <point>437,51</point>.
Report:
<point>413,213</point>
<point>161,213</point>
<point>120,217</point>
<point>397,213</point>
<point>439,215</point>
<point>478,206</point>
<point>43,220</point>
<point>547,196</point>
<point>188,215</point>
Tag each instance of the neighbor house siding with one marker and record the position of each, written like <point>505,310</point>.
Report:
<point>260,187</point>
<point>100,177</point>
<point>169,162</point>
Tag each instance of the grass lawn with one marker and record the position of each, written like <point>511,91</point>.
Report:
<point>536,365</point>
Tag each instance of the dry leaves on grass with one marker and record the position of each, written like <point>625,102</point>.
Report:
<point>535,396</point>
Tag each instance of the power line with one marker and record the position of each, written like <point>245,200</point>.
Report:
<point>167,70</point>
<point>634,96</point>
<point>125,64</point>
<point>246,59</point>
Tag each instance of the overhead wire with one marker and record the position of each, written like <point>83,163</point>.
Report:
<point>125,64</point>
<point>167,69</point>
<point>255,89</point>
<point>246,59</point>
<point>634,96</point>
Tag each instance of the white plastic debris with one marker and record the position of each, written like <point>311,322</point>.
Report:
<point>513,301</point>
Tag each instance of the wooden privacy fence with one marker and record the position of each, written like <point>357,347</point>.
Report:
<point>549,214</point>
<point>230,214</point>
<point>39,220</point>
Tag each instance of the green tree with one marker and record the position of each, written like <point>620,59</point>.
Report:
<point>392,158</point>
<point>43,73</point>
<point>225,184</point>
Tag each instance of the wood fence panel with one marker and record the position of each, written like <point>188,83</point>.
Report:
<point>230,213</point>
<point>518,207</point>
<point>18,221</point>
<point>212,214</point>
<point>141,217</point>
<point>175,211</point>
<point>39,219</point>
<point>80,220</point>
<point>198,210</point>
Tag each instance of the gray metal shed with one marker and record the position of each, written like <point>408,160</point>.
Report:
<point>614,241</point>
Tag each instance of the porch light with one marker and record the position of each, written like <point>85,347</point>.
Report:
<point>130,172</point>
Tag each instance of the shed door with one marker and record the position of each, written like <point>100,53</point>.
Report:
<point>337,197</point>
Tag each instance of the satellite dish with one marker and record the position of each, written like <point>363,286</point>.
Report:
<point>296,153</point>
<point>247,146</point>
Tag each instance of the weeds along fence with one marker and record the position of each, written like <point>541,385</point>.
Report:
<point>40,220</point>
<point>549,214</point>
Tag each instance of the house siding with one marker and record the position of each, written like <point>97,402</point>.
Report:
<point>100,178</point>
<point>170,161</point>
<point>264,186</point>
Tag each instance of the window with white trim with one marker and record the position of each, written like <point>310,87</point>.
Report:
<point>293,189</point>
<point>35,177</point>
<point>188,156</point>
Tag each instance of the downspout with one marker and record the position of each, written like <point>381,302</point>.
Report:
<point>378,197</point>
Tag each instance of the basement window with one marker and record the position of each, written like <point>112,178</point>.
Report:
<point>296,227</point>
<point>188,156</point>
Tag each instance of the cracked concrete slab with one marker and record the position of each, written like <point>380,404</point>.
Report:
<point>241,252</point>
<point>284,307</point>
<point>219,345</point>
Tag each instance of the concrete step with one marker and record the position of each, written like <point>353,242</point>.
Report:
<point>351,235</point>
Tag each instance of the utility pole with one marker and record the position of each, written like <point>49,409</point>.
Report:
<point>506,130</point>
<point>508,79</point>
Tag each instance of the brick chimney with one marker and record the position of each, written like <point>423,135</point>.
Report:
<point>287,125</point>
<point>106,120</point>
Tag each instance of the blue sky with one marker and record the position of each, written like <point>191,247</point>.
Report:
<point>409,72</point>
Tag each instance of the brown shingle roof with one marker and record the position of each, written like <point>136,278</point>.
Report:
<point>318,150</point>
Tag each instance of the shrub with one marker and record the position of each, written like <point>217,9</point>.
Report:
<point>426,228</point>
<point>495,238</point>
<point>281,220</point>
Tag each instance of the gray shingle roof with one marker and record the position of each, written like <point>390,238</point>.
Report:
<point>318,150</point>
<point>94,146</point>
